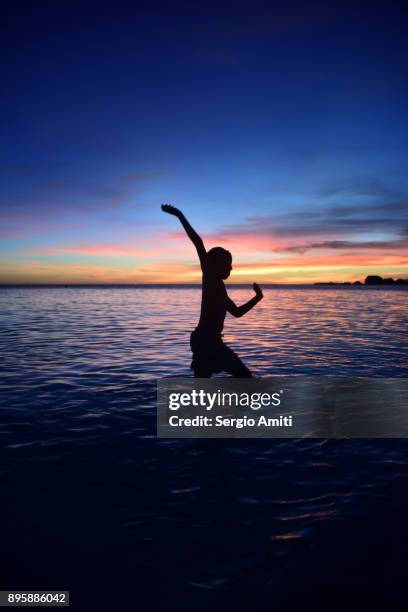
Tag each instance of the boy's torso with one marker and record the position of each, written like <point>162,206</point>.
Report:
<point>213,305</point>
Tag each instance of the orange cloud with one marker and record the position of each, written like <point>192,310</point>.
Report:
<point>63,273</point>
<point>284,270</point>
<point>171,258</point>
<point>327,261</point>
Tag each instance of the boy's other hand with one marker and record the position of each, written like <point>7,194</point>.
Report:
<point>258,290</point>
<point>171,210</point>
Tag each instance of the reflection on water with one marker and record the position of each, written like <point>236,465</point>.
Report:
<point>86,482</point>
<point>125,335</point>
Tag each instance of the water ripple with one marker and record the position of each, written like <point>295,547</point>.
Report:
<point>78,406</point>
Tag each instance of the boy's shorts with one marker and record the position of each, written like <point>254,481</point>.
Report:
<point>211,355</point>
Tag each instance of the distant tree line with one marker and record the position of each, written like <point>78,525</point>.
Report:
<point>378,280</point>
<point>371,280</point>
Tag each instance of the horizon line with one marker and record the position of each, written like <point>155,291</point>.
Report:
<point>137,284</point>
<point>264,285</point>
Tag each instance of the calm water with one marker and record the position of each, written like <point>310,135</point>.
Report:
<point>94,503</point>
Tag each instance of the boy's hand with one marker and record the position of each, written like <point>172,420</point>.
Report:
<point>171,210</point>
<point>258,290</point>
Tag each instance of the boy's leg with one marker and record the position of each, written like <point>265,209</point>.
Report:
<point>238,370</point>
<point>202,373</point>
<point>233,365</point>
<point>200,363</point>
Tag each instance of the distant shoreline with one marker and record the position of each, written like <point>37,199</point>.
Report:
<point>371,281</point>
<point>317,285</point>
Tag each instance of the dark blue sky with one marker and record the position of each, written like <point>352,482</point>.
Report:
<point>245,115</point>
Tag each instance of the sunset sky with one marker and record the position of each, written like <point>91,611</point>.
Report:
<point>280,130</point>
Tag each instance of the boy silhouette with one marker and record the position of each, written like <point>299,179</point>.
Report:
<point>210,354</point>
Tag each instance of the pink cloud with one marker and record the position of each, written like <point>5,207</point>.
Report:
<point>345,259</point>
<point>155,248</point>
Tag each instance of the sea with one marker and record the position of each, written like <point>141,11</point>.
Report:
<point>93,503</point>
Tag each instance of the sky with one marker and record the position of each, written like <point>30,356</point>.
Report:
<point>279,129</point>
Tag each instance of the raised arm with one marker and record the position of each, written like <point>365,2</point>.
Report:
<point>239,311</point>
<point>191,233</point>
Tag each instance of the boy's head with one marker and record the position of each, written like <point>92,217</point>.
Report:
<point>220,262</point>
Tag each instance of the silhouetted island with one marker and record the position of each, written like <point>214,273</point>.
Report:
<point>371,280</point>
<point>378,280</point>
